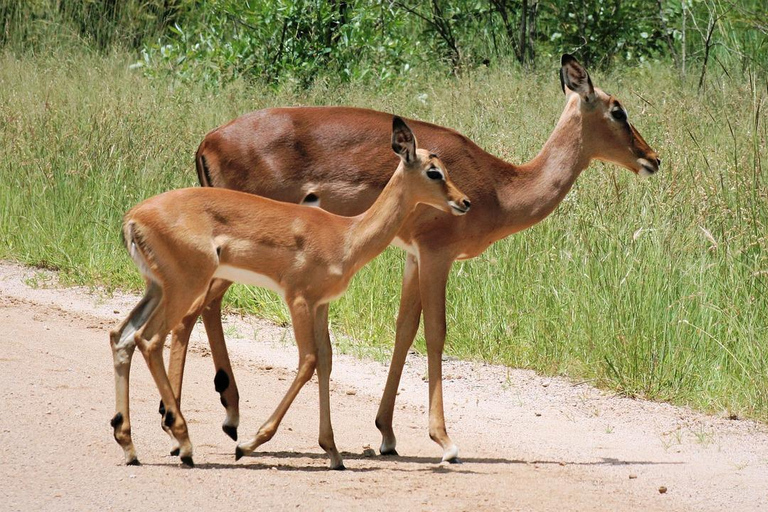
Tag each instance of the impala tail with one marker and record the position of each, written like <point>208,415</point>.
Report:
<point>137,249</point>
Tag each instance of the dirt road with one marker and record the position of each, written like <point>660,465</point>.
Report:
<point>526,442</point>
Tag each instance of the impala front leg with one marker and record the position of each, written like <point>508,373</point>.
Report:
<point>407,325</point>
<point>433,279</point>
<point>302,316</point>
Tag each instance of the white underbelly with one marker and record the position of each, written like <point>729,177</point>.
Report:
<point>243,276</point>
<point>409,248</point>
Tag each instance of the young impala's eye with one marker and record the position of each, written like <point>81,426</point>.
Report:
<point>434,174</point>
<point>619,114</point>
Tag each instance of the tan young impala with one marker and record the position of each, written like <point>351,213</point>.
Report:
<point>184,239</point>
<point>336,157</point>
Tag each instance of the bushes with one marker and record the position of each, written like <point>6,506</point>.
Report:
<point>300,41</point>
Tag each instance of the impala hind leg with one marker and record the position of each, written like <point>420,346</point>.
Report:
<point>407,325</point>
<point>302,317</point>
<point>324,367</point>
<point>434,272</point>
<point>176,361</point>
<point>122,343</point>
<point>224,380</point>
<point>150,339</point>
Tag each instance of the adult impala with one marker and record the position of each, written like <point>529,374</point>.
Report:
<point>184,239</point>
<point>336,156</point>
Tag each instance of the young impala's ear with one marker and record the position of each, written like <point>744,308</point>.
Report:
<point>403,140</point>
<point>575,77</point>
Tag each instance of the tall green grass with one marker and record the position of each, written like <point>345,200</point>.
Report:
<point>653,288</point>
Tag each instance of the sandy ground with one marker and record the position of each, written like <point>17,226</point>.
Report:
<point>526,442</point>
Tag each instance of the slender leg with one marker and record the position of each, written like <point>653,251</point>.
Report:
<point>150,339</point>
<point>302,316</point>
<point>434,271</point>
<point>407,325</point>
<point>123,344</point>
<point>179,345</point>
<point>224,381</point>
<point>324,366</point>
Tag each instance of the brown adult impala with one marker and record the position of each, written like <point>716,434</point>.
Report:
<point>338,157</point>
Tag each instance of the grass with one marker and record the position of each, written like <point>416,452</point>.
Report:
<point>653,288</point>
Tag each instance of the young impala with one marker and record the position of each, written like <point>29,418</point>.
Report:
<point>294,155</point>
<point>183,239</point>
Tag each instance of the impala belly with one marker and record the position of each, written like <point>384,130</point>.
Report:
<point>409,248</point>
<point>241,275</point>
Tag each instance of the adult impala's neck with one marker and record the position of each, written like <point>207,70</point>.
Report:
<point>540,185</point>
<point>373,230</point>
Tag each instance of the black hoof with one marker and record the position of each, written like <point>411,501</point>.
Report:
<point>238,453</point>
<point>175,451</point>
<point>187,461</point>
<point>133,462</point>
<point>391,453</point>
<point>230,431</point>
<point>340,467</point>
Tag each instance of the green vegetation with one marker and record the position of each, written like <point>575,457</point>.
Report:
<point>298,42</point>
<point>654,288</point>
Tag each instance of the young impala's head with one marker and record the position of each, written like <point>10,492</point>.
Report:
<point>426,176</point>
<point>608,134</point>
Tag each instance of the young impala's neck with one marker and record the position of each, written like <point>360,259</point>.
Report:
<point>373,230</point>
<point>540,185</point>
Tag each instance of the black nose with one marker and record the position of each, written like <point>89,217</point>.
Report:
<point>658,162</point>
<point>467,204</point>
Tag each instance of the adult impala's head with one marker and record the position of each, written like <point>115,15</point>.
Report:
<point>426,176</point>
<point>608,135</point>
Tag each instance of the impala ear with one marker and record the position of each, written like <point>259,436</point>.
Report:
<point>575,77</point>
<point>403,140</point>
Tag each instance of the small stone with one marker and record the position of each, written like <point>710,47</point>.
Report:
<point>368,451</point>
<point>632,476</point>
<point>662,489</point>
<point>351,392</point>
<point>562,463</point>
<point>537,413</point>
<point>268,367</point>
<point>116,311</point>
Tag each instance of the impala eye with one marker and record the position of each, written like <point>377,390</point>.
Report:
<point>619,115</point>
<point>434,174</point>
